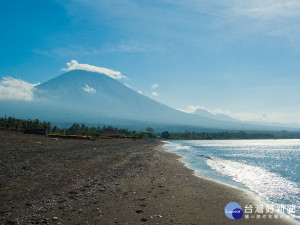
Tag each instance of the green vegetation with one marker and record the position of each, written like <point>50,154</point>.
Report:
<point>24,124</point>
<point>77,129</point>
<point>229,135</point>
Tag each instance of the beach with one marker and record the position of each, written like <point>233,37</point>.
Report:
<point>57,181</point>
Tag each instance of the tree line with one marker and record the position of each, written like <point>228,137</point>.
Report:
<point>12,122</point>
<point>228,135</point>
<point>82,129</point>
<point>75,129</point>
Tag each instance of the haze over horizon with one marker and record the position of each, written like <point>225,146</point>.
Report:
<point>239,58</point>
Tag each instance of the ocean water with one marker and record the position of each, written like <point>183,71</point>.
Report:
<point>269,168</point>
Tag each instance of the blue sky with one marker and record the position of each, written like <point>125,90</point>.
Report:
<point>238,57</point>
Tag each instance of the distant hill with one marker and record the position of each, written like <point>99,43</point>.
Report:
<point>204,113</point>
<point>93,98</point>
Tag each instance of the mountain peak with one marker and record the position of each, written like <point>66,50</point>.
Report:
<point>74,65</point>
<point>87,96</point>
<point>220,116</point>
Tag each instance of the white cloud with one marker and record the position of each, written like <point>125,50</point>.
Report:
<point>248,20</point>
<point>154,93</point>
<point>89,89</point>
<point>74,65</point>
<point>267,9</point>
<point>34,85</point>
<point>69,51</point>
<point>191,109</point>
<point>140,92</point>
<point>254,9</point>
<point>226,21</point>
<point>154,86</point>
<point>132,46</point>
<point>127,85</point>
<point>278,18</point>
<point>16,89</point>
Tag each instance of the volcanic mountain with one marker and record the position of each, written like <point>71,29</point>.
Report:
<point>88,97</point>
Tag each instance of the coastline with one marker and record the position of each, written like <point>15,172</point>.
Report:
<point>228,193</point>
<point>108,182</point>
<point>255,196</point>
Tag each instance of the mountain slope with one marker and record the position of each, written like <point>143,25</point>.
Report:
<point>107,97</point>
<point>89,97</point>
<point>204,113</point>
<point>100,96</point>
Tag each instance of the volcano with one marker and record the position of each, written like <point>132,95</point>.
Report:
<point>93,98</point>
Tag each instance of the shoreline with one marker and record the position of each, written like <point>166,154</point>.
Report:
<point>46,181</point>
<point>257,199</point>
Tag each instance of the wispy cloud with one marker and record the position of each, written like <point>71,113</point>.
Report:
<point>191,109</point>
<point>16,89</point>
<point>132,47</point>
<point>89,89</point>
<point>74,65</point>
<point>248,18</point>
<point>154,93</point>
<point>267,9</point>
<point>239,19</point>
<point>250,116</point>
<point>245,116</point>
<point>85,50</point>
<point>34,85</point>
<point>154,86</point>
<point>68,51</point>
<point>140,92</point>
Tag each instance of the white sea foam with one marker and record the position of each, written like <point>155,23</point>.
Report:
<point>172,146</point>
<point>285,143</point>
<point>267,184</point>
<point>267,167</point>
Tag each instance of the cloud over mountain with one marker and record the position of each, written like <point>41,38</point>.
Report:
<point>89,89</point>
<point>74,65</point>
<point>154,93</point>
<point>154,86</point>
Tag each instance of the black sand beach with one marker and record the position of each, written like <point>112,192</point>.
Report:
<point>49,181</point>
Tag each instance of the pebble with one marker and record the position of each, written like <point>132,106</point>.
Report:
<point>143,219</point>
<point>139,211</point>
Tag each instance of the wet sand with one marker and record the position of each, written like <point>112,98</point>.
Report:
<point>48,181</point>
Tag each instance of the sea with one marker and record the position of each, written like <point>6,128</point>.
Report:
<point>268,168</point>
